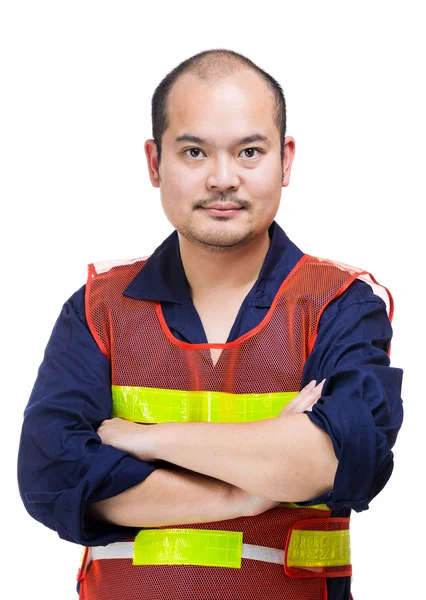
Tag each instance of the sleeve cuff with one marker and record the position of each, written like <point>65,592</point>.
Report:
<point>70,507</point>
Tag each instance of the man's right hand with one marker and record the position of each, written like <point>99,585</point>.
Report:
<point>304,400</point>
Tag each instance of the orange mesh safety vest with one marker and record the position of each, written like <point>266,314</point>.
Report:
<point>287,552</point>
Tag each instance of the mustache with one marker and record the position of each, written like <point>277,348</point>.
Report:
<point>223,200</point>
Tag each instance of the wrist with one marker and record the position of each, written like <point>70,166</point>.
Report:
<point>240,499</point>
<point>151,449</point>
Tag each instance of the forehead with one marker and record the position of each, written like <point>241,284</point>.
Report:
<point>226,106</point>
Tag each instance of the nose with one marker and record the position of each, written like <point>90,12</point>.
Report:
<point>223,174</point>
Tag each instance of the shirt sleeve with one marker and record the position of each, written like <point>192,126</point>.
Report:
<point>62,464</point>
<point>360,407</point>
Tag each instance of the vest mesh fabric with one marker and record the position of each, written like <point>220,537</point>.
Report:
<point>270,358</point>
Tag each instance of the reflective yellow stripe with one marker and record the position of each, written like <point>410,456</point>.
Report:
<point>212,548</point>
<point>206,547</point>
<point>157,405</point>
<point>293,505</point>
<point>319,548</point>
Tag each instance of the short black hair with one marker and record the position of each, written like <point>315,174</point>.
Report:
<point>211,65</point>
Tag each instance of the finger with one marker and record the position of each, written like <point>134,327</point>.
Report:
<point>316,396</point>
<point>299,404</point>
<point>309,387</point>
<point>309,408</point>
<point>305,401</point>
<point>307,405</point>
<point>312,385</point>
<point>307,396</point>
<point>316,391</point>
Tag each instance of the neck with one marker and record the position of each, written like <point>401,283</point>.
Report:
<point>207,270</point>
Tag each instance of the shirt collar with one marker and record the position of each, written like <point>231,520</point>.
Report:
<point>163,278</point>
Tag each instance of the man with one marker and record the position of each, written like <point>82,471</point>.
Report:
<point>210,340</point>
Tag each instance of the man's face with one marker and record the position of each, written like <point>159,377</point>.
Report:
<point>221,169</point>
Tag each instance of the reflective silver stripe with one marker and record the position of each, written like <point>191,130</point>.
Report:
<point>273,555</point>
<point>115,550</point>
<point>125,550</point>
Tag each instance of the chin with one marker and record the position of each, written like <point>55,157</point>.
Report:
<point>215,238</point>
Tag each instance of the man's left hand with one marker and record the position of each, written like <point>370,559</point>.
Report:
<point>130,437</point>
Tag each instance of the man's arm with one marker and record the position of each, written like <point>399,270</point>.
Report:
<point>62,464</point>
<point>261,469</point>
<point>296,458</point>
<point>283,458</point>
<point>361,408</point>
<point>63,467</point>
<point>175,497</point>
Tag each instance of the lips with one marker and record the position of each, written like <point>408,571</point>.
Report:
<point>222,212</point>
<point>224,207</point>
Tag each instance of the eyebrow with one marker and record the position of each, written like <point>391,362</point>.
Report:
<point>248,139</point>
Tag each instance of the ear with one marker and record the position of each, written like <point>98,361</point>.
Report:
<point>152,160</point>
<point>289,152</point>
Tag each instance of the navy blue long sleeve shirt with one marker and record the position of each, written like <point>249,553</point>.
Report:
<point>63,466</point>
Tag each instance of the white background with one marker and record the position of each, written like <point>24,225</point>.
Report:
<point>77,80</point>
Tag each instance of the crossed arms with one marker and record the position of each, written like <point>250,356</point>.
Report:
<point>276,459</point>
<point>64,467</point>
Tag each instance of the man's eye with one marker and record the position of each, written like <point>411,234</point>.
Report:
<point>199,150</point>
<point>250,149</point>
<point>192,150</point>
